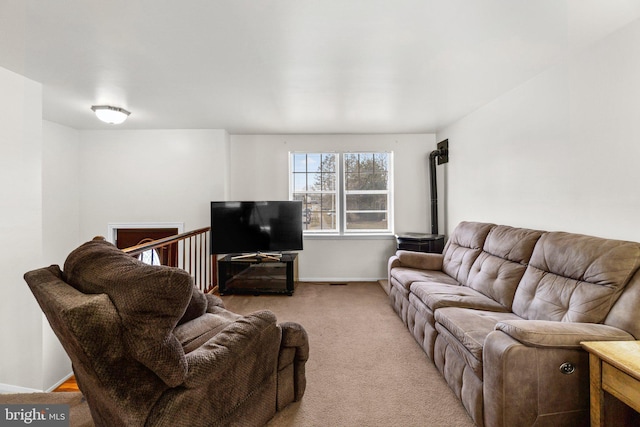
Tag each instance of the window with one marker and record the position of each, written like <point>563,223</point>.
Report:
<point>366,191</point>
<point>313,181</point>
<point>343,193</point>
<point>151,257</point>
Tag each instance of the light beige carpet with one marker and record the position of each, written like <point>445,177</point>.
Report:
<point>365,368</point>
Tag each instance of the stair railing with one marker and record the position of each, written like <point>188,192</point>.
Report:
<point>192,255</point>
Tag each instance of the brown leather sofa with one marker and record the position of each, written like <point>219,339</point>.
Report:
<point>502,311</point>
<point>150,349</point>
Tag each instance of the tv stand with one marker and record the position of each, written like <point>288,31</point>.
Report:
<point>259,255</point>
<point>254,274</point>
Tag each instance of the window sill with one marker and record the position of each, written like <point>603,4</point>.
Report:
<point>336,236</point>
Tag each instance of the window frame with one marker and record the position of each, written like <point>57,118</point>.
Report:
<point>388,193</point>
<point>341,194</point>
<point>335,192</point>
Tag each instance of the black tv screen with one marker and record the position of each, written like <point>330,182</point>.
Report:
<point>256,226</point>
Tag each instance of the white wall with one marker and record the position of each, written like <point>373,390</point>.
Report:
<point>259,170</point>
<point>150,176</point>
<point>20,230</point>
<point>60,191</point>
<point>60,226</point>
<point>560,152</point>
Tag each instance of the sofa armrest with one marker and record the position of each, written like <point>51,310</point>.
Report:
<point>294,353</point>
<point>420,260</point>
<point>524,384</point>
<point>542,333</point>
<point>294,335</point>
<point>245,351</point>
<point>394,261</point>
<point>213,301</point>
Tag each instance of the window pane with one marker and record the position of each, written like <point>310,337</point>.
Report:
<point>314,162</point>
<point>321,212</point>
<point>366,171</point>
<point>379,181</point>
<point>381,162</point>
<point>366,202</point>
<point>314,201</point>
<point>367,221</point>
<point>313,221</point>
<point>151,257</point>
<point>328,163</point>
<point>351,181</point>
<point>329,220</point>
<point>315,181</point>
<point>299,162</point>
<point>350,162</point>
<point>365,163</point>
<point>328,182</point>
<point>328,202</point>
<point>299,182</point>
<point>319,220</point>
<point>322,202</point>
<point>366,181</point>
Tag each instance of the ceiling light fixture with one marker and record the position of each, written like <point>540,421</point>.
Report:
<point>111,115</point>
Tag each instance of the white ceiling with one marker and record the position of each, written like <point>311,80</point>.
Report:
<point>291,66</point>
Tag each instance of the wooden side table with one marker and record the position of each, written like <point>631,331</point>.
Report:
<point>614,367</point>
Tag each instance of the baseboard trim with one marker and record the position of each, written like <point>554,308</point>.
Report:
<point>338,279</point>
<point>59,383</point>
<point>9,388</point>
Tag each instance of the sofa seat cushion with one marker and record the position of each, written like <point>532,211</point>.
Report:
<point>466,329</point>
<point>439,295</point>
<point>197,306</point>
<point>405,276</point>
<point>196,332</point>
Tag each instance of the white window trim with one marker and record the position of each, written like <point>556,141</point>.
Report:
<point>113,227</point>
<point>388,192</point>
<point>336,192</point>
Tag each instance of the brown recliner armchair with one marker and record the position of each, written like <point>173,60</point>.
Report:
<point>149,348</point>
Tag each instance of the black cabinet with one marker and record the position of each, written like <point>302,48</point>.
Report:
<point>418,242</point>
<point>256,275</point>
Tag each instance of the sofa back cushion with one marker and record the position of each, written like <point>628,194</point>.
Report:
<point>462,249</point>
<point>575,278</point>
<point>502,263</point>
<point>150,301</point>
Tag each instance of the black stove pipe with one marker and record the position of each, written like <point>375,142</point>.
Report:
<point>434,190</point>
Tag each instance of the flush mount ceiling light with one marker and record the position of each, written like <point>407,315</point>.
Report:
<point>111,115</point>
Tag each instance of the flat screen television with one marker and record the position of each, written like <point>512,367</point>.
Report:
<point>256,227</point>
